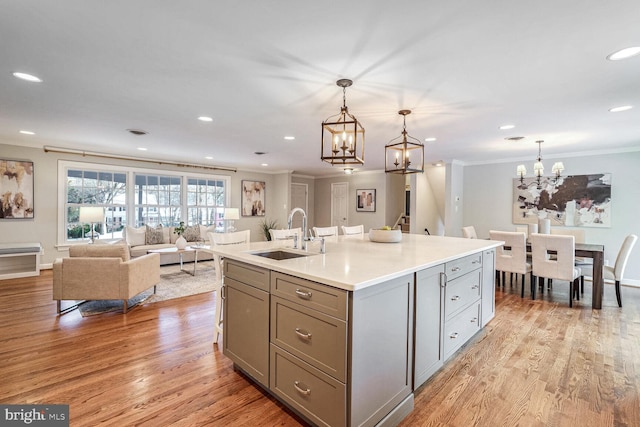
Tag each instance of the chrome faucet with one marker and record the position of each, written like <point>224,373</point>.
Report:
<point>303,245</point>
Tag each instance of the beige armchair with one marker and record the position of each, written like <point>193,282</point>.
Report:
<point>103,272</point>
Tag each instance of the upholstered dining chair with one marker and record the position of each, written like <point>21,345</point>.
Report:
<point>325,231</point>
<point>218,239</point>
<point>615,273</point>
<point>354,231</point>
<point>561,267</point>
<point>469,232</point>
<point>285,234</point>
<point>581,262</point>
<point>512,256</point>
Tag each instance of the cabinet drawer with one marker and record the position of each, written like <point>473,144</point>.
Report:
<point>459,267</point>
<point>461,292</point>
<point>246,273</point>
<point>458,330</point>
<point>314,394</point>
<point>328,300</point>
<point>314,337</point>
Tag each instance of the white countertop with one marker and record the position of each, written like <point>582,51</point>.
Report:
<point>353,264</point>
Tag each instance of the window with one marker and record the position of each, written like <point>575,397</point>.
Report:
<point>206,201</point>
<point>95,188</point>
<point>135,197</point>
<point>157,200</point>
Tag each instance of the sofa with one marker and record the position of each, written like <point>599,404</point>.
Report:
<point>141,239</point>
<point>103,272</point>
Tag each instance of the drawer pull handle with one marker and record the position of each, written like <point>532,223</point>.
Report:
<point>474,287</point>
<point>455,298</point>
<point>474,320</point>
<point>303,294</point>
<point>475,261</point>
<point>304,392</point>
<point>304,335</point>
<point>455,269</point>
<point>454,335</point>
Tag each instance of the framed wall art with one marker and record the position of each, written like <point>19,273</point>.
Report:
<point>573,201</point>
<point>253,198</point>
<point>365,200</point>
<point>16,189</point>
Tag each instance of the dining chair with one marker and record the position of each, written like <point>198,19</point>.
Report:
<point>561,267</point>
<point>512,256</point>
<point>581,262</point>
<point>354,231</point>
<point>469,232</point>
<point>285,234</point>
<point>218,239</point>
<point>325,231</point>
<point>616,272</point>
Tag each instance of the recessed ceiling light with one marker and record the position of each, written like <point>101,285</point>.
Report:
<point>430,139</point>
<point>624,53</point>
<point>27,132</point>
<point>142,149</point>
<point>137,131</point>
<point>621,108</point>
<point>28,77</point>
<point>289,138</point>
<point>205,119</point>
<point>348,171</point>
<point>209,157</point>
<point>438,163</point>
<point>265,164</point>
<point>505,127</point>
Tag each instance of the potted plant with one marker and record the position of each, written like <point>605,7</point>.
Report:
<point>181,242</point>
<point>267,225</point>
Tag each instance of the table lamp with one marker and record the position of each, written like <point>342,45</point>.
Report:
<point>230,215</point>
<point>91,215</point>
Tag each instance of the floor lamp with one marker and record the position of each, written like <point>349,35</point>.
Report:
<point>230,215</point>
<point>91,215</point>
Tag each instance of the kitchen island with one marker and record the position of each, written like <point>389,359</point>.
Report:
<point>345,337</point>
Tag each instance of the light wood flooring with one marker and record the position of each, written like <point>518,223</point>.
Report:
<point>538,363</point>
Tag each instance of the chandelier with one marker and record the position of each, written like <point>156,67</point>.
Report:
<point>406,156</point>
<point>343,135</point>
<point>538,169</point>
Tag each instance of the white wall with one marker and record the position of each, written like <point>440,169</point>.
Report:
<point>488,198</point>
<point>43,227</point>
<point>454,199</point>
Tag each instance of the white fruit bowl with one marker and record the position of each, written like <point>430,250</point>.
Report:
<point>385,236</point>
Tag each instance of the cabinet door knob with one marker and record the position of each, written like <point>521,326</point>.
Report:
<point>303,294</point>
<point>302,334</point>
<point>454,335</point>
<point>304,391</point>
<point>455,269</point>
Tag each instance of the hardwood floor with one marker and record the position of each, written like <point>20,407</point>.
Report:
<point>537,363</point>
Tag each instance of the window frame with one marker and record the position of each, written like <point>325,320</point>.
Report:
<point>130,171</point>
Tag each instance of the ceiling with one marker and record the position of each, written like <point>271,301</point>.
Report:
<point>267,69</point>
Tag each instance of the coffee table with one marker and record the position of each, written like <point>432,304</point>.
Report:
<point>180,252</point>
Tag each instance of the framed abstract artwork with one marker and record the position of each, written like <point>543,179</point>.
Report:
<point>16,189</point>
<point>253,198</point>
<point>573,201</point>
<point>365,200</point>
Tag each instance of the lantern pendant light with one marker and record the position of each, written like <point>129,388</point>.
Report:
<point>406,156</point>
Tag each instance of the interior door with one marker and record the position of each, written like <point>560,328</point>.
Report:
<point>299,199</point>
<point>339,203</point>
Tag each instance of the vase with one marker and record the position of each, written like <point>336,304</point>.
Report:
<point>181,242</point>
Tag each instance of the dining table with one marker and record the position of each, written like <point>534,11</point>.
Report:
<point>595,252</point>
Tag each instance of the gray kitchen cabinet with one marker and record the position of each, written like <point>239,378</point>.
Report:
<point>429,323</point>
<point>246,319</point>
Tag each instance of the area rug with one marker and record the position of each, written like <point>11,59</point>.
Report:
<point>173,284</point>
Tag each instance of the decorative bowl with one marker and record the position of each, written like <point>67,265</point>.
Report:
<point>385,236</point>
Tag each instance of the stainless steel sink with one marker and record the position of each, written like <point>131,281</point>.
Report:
<point>279,255</point>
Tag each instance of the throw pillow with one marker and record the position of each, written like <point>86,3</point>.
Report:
<point>191,233</point>
<point>153,236</point>
<point>135,236</point>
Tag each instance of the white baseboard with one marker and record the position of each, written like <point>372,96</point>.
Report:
<point>625,282</point>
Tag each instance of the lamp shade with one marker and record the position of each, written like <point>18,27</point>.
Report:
<point>231,213</point>
<point>89,214</point>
